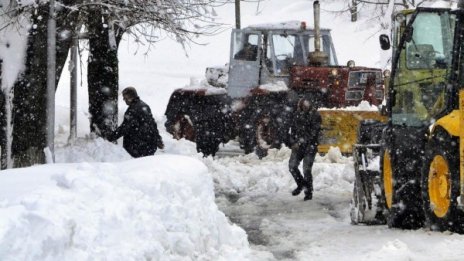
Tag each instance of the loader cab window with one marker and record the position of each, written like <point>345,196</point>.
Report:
<point>430,46</point>
<point>421,73</point>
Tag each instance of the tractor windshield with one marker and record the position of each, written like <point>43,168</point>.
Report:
<point>421,71</point>
<point>288,49</point>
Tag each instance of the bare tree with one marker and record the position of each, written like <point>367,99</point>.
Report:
<point>382,6</point>
<point>105,22</point>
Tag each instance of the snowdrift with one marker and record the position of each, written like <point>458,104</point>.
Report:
<point>145,209</point>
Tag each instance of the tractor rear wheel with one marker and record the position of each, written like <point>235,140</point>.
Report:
<point>440,183</point>
<point>264,136</point>
<point>183,127</point>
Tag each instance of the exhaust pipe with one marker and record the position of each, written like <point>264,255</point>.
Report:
<point>318,58</point>
<point>317,27</point>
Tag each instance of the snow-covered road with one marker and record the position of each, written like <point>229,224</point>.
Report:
<point>255,194</point>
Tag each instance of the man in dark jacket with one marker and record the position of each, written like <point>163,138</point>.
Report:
<point>303,140</point>
<point>141,136</point>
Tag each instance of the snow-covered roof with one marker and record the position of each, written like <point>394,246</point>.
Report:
<point>438,4</point>
<point>198,86</point>
<point>285,25</point>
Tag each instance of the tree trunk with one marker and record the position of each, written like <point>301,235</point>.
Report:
<point>3,143</point>
<point>103,72</point>
<point>29,102</point>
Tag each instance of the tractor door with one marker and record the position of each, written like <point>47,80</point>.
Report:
<point>244,67</point>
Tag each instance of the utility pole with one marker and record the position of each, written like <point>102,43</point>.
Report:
<point>51,81</point>
<point>354,10</point>
<point>73,98</point>
<point>237,14</point>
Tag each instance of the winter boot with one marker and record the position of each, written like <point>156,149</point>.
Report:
<point>299,181</point>
<point>308,195</point>
<point>308,188</point>
<point>298,190</point>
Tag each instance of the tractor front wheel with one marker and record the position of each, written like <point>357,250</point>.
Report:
<point>440,183</point>
<point>265,136</point>
<point>401,194</point>
<point>183,127</point>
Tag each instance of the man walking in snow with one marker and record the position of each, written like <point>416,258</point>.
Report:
<point>141,136</point>
<point>303,140</point>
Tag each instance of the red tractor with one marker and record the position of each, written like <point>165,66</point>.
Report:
<point>270,67</point>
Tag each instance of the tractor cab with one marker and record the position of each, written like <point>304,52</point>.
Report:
<point>264,54</point>
<point>422,66</point>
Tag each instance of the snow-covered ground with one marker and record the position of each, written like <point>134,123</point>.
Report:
<point>146,209</point>
<point>97,203</point>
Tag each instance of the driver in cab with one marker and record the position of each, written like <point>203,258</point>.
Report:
<point>249,52</point>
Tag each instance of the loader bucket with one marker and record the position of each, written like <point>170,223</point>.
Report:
<point>340,128</point>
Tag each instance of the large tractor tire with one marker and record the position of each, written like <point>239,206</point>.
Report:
<point>183,127</point>
<point>402,195</point>
<point>440,183</point>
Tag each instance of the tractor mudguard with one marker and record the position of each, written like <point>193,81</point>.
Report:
<point>450,123</point>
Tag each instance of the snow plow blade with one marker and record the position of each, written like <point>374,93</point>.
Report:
<point>340,128</point>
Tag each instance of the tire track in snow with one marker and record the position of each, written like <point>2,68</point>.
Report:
<point>255,194</point>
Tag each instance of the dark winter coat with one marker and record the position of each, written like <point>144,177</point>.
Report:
<point>141,136</point>
<point>305,129</point>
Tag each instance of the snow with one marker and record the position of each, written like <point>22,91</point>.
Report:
<point>274,86</point>
<point>97,203</point>
<point>13,41</point>
<point>126,210</point>
<point>439,4</point>
<point>362,106</point>
<point>203,85</point>
<point>286,25</point>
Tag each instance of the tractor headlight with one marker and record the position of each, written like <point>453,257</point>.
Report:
<point>350,64</point>
<point>334,72</point>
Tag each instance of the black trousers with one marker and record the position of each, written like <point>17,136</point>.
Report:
<point>305,153</point>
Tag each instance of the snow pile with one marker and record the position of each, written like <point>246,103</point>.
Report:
<point>334,155</point>
<point>278,86</point>
<point>286,25</point>
<point>90,150</point>
<point>362,106</point>
<point>247,176</point>
<point>203,85</point>
<point>146,209</point>
<point>217,75</point>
